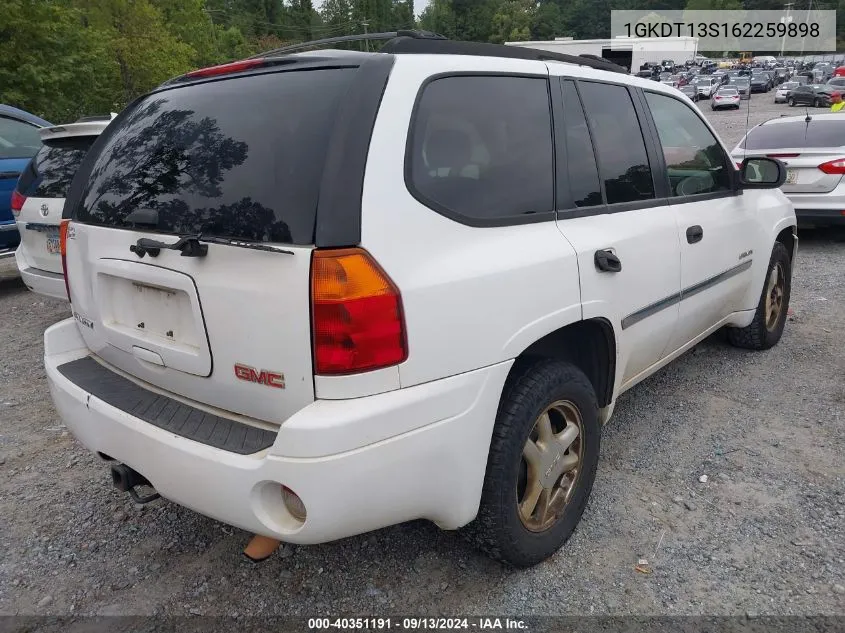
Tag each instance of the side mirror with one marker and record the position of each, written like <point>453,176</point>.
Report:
<point>760,172</point>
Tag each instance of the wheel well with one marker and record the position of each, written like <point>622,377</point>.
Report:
<point>787,238</point>
<point>589,345</point>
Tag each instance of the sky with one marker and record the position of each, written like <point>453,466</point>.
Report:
<point>419,5</point>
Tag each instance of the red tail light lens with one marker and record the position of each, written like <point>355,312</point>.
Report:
<point>356,311</point>
<point>63,228</point>
<point>834,166</point>
<point>17,202</point>
<point>739,165</point>
<point>224,69</point>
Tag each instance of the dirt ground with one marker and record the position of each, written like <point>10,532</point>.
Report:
<point>765,534</point>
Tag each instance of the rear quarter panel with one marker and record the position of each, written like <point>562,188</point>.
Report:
<point>472,297</point>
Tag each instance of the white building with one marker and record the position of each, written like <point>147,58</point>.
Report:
<point>630,52</point>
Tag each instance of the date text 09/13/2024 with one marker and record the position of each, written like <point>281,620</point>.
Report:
<point>416,623</point>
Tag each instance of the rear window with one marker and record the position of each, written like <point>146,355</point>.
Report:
<point>239,158</point>
<point>50,172</point>
<point>796,135</point>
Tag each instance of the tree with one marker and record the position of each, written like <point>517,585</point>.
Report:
<point>547,21</point>
<point>53,64</point>
<point>512,21</point>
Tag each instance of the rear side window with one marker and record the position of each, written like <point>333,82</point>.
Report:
<point>51,171</point>
<point>18,139</point>
<point>580,158</point>
<point>796,134</point>
<point>240,158</point>
<point>481,147</point>
<point>623,162</point>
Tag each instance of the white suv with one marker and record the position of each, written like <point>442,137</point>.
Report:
<point>39,197</point>
<point>318,294</point>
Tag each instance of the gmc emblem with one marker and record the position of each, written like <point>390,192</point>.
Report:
<point>262,377</point>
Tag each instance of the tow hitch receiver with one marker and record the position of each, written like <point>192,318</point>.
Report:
<point>126,480</point>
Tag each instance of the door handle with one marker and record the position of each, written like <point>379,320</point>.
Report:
<point>608,262</point>
<point>694,234</point>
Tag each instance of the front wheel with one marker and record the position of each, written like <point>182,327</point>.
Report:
<point>816,103</point>
<point>770,317</point>
<point>791,102</point>
<point>542,463</point>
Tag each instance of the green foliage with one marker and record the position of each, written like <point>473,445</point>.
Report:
<point>64,58</point>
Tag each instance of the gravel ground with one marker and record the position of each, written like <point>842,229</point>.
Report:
<point>765,534</point>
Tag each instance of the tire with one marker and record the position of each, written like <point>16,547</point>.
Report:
<point>500,529</point>
<point>815,103</point>
<point>765,332</point>
<point>791,102</point>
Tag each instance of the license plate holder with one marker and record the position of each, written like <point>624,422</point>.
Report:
<point>791,176</point>
<point>53,244</point>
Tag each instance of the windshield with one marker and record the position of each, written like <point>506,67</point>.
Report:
<point>796,134</point>
<point>702,82</point>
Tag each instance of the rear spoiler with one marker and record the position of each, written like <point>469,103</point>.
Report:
<point>86,126</point>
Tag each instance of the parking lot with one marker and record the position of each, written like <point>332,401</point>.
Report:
<point>763,534</point>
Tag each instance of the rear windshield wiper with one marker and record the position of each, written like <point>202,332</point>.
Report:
<point>190,245</point>
<point>258,246</point>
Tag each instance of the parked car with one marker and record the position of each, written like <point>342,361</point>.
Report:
<point>706,86</point>
<point>814,153</point>
<point>690,91</point>
<point>725,97</point>
<point>814,95</point>
<point>743,86</point>
<point>837,82</point>
<point>40,197</point>
<point>347,399</point>
<point>19,142</point>
<point>759,83</point>
<point>680,80</point>
<point>783,91</point>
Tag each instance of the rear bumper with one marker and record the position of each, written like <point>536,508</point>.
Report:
<point>820,217</point>
<point>433,472</point>
<point>820,209</point>
<point>41,281</point>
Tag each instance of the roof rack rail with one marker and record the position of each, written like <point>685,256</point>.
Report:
<point>360,37</point>
<point>426,42</point>
<point>453,47</point>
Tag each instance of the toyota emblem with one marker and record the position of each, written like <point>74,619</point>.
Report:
<point>45,210</point>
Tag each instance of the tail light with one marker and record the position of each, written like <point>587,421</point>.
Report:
<point>225,69</point>
<point>834,166</point>
<point>356,311</point>
<point>17,202</point>
<point>63,228</point>
<point>739,165</point>
<point>718,98</point>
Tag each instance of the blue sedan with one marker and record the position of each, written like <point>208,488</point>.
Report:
<point>19,142</point>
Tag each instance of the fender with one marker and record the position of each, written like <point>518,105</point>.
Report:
<point>776,212</point>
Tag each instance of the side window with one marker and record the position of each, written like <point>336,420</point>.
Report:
<point>18,139</point>
<point>481,147</point>
<point>694,159</point>
<point>623,162</point>
<point>580,158</point>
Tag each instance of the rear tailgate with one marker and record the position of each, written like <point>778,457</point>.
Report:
<point>44,184</point>
<point>237,159</point>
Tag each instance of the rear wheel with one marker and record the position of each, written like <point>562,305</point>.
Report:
<point>791,102</point>
<point>816,103</point>
<point>542,464</point>
<point>770,317</point>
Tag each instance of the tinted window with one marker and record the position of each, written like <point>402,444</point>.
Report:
<point>50,172</point>
<point>481,147</point>
<point>694,159</point>
<point>623,162</point>
<point>18,139</point>
<point>240,158</point>
<point>796,134</point>
<point>580,158</point>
